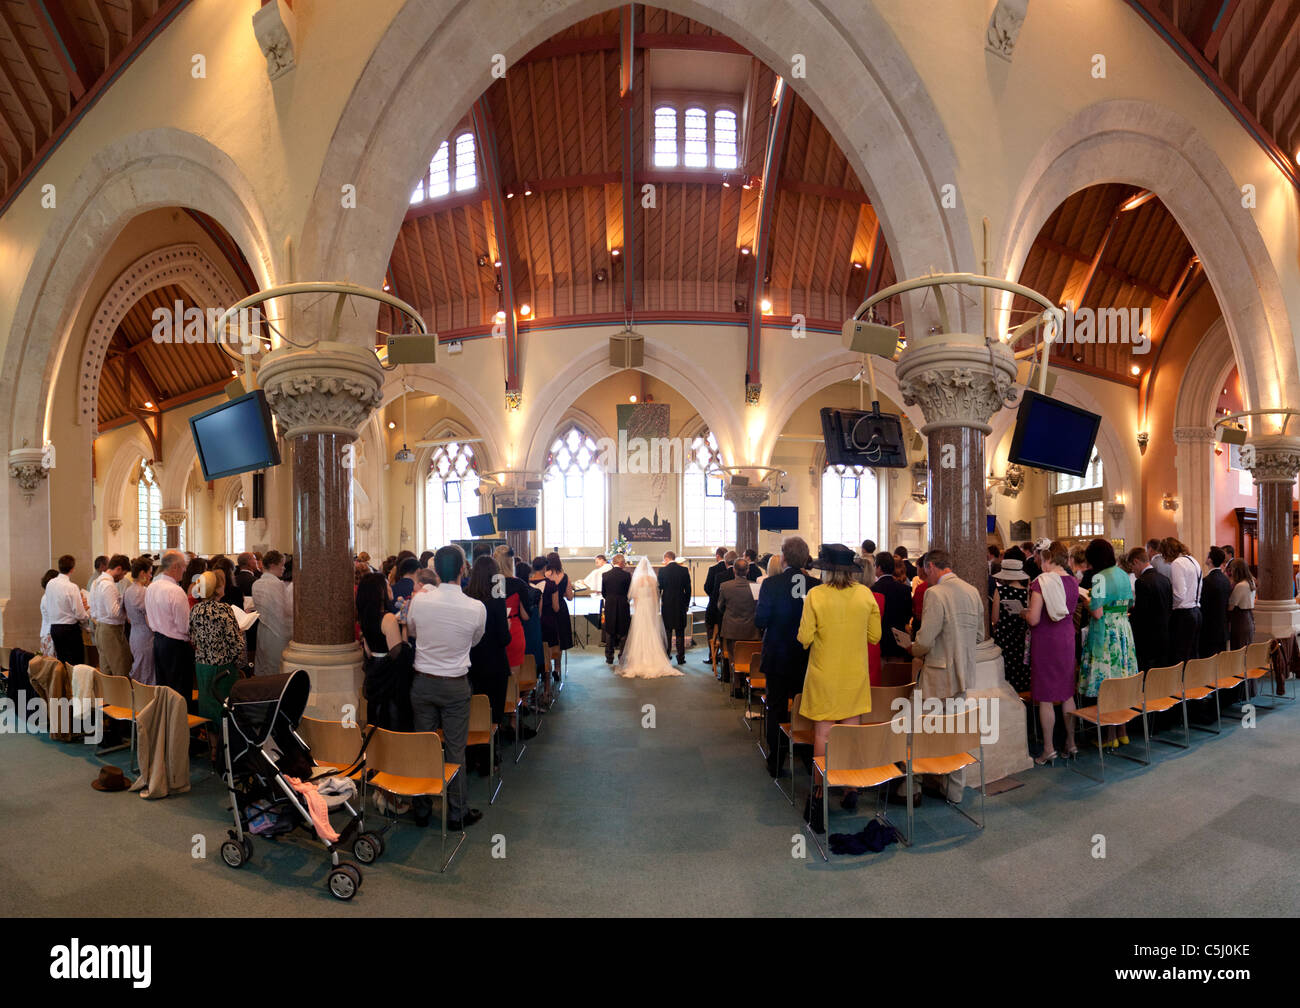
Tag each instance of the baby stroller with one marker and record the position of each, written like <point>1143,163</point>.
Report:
<point>262,749</point>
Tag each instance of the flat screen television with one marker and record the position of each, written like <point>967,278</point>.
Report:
<point>236,437</point>
<point>863,438</point>
<point>481,525</point>
<point>516,519</point>
<point>778,519</point>
<point>1053,435</point>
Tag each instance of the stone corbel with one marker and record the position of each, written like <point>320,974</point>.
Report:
<point>275,26</point>
<point>115,524</point>
<point>1007,19</point>
<point>27,466</point>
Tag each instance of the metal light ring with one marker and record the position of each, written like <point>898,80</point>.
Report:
<point>968,279</point>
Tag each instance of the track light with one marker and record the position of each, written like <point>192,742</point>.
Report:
<point>744,250</point>
<point>766,306</point>
<point>501,316</point>
<point>740,304</point>
<point>601,276</point>
<point>525,310</point>
<point>615,252</point>
<point>528,189</point>
<point>482,260</point>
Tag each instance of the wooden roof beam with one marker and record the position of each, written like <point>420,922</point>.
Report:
<point>778,129</point>
<point>1073,253</point>
<point>57,27</point>
<point>486,142</point>
<point>1214,23</point>
<point>626,99</point>
<point>1269,60</point>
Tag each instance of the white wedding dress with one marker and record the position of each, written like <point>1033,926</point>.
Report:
<point>645,655</point>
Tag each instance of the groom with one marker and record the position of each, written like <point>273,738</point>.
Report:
<point>675,592</point>
<point>614,587</point>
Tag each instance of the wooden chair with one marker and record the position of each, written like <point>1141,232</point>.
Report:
<point>860,756</point>
<point>1119,701</point>
<point>410,765</point>
<point>336,747</point>
<point>1199,676</point>
<point>755,681</point>
<point>741,661</point>
<point>1162,690</point>
<point>482,731</point>
<point>799,731</point>
<point>528,682</point>
<point>896,672</point>
<point>882,702</point>
<point>119,703</point>
<point>514,704</point>
<point>952,748</point>
<point>1259,665</point>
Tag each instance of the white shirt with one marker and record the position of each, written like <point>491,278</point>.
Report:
<point>592,580</point>
<point>1185,575</point>
<point>63,602</point>
<point>106,601</point>
<point>446,623</point>
<point>166,608</point>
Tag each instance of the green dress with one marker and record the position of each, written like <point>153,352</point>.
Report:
<point>1109,652</point>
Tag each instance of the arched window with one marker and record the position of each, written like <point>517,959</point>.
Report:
<point>708,519</point>
<point>695,153</point>
<point>725,151</point>
<point>573,495</point>
<point>237,533</point>
<point>699,131</point>
<point>153,535</point>
<point>443,174</point>
<point>1078,505</point>
<point>665,137</point>
<point>449,497</point>
<point>466,172</point>
<point>850,506</point>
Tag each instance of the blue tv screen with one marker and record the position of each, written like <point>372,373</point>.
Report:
<point>481,525</point>
<point>236,437</point>
<point>517,519</point>
<point>1053,435</point>
<point>778,519</point>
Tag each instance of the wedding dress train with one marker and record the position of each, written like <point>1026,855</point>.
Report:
<point>646,654</point>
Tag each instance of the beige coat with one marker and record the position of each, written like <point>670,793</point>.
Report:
<point>52,681</point>
<point>164,739</point>
<point>952,623</point>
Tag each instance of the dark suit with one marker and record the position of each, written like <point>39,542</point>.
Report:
<point>785,660</point>
<point>244,579</point>
<point>718,573</point>
<point>489,668</point>
<point>614,587</point>
<point>752,570</point>
<point>898,610</point>
<point>1215,589</point>
<point>1153,601</point>
<point>675,598</point>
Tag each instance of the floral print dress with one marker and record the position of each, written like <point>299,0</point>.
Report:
<point>1110,652</point>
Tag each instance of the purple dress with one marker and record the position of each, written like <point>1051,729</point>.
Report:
<point>141,636</point>
<point>1051,649</point>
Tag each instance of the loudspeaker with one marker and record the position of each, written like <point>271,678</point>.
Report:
<point>1027,375</point>
<point>259,495</point>
<point>1230,434</point>
<point>533,484</point>
<point>861,336</point>
<point>413,348</point>
<point>740,481</point>
<point>627,350</point>
<point>241,514</point>
<point>235,389</point>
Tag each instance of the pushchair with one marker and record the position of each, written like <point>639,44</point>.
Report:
<point>262,748</point>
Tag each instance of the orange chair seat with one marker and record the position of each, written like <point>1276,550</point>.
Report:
<point>192,721</point>
<point>1258,673</point>
<point>118,713</point>
<point>1227,682</point>
<point>758,682</point>
<point>1155,706</point>
<point>801,737</point>
<point>1119,717</point>
<point>413,787</point>
<point>868,777</point>
<point>1198,692</point>
<point>480,737</point>
<point>943,764</point>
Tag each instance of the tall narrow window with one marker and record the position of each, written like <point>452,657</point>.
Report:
<point>440,172</point>
<point>1077,506</point>
<point>665,137</point>
<point>696,135</point>
<point>449,497</point>
<point>708,520</point>
<point>238,529</point>
<point>850,506</point>
<point>466,172</point>
<point>149,511</point>
<point>724,139</point>
<point>574,494</point>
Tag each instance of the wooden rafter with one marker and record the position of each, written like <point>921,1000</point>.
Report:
<point>626,93</point>
<point>485,141</point>
<point>1214,24</point>
<point>58,28</point>
<point>776,134</point>
<point>33,69</point>
<point>1269,59</point>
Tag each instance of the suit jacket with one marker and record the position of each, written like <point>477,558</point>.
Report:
<point>737,604</point>
<point>1153,601</point>
<point>952,623</point>
<point>752,571</point>
<point>1215,589</point>
<point>675,595</point>
<point>614,587</point>
<point>777,614</point>
<point>897,612</point>
<point>718,573</point>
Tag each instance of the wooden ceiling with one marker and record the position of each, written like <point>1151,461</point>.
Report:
<point>557,125</point>
<point>57,57</point>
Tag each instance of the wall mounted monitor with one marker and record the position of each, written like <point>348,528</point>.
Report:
<point>236,437</point>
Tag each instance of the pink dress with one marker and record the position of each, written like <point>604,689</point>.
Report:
<point>1051,649</point>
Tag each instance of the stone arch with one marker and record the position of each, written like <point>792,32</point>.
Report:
<point>1151,147</point>
<point>113,500</point>
<point>174,476</point>
<point>433,380</point>
<point>137,173</point>
<point>185,265</point>
<point>386,134</point>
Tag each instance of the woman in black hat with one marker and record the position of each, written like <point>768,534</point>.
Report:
<point>1009,602</point>
<point>840,621</point>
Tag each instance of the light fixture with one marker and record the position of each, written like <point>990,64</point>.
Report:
<point>234,374</point>
<point>392,424</point>
<point>615,252</point>
<point>766,306</point>
<point>528,189</point>
<point>525,310</point>
<point>1169,502</point>
<point>726,182</point>
<point>148,405</point>
<point>1143,439</point>
<point>1136,200</point>
<point>404,454</point>
<point>510,194</point>
<point>482,260</point>
<point>501,316</point>
<point>601,275</point>
<point>1135,370</point>
<point>857,265</point>
<point>386,287</point>
<point>514,399</point>
<point>496,263</point>
<point>631,398</point>
<point>744,250</point>
<point>740,304</point>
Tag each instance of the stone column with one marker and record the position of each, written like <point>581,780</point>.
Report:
<point>747,500</point>
<point>173,519</point>
<point>29,548</point>
<point>1274,465</point>
<point>960,383</point>
<point>1195,516</point>
<point>321,396</point>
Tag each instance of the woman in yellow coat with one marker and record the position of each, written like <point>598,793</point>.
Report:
<point>840,619</point>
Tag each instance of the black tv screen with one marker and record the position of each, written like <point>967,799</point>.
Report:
<point>517,519</point>
<point>778,519</point>
<point>481,525</point>
<point>1053,435</point>
<point>863,438</point>
<point>236,437</point>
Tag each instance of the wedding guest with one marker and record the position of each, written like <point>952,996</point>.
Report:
<point>777,614</point>
<point>274,601</point>
<point>615,589</point>
<point>736,604</point>
<point>1185,621</point>
<point>404,586</point>
<point>896,612</point>
<point>1110,652</point>
<point>389,671</point>
<point>674,602</point>
<point>67,610</point>
<point>167,610</point>
<point>1156,558</point>
<point>516,612</point>
<point>1052,598</point>
<point>718,573</point>
<point>918,589</point>
<point>1241,605</point>
<point>1153,601</point>
<point>1008,603</point>
<point>909,569</point>
<point>193,568</point>
<point>141,640</point>
<point>47,642</point>
<point>110,618</point>
<point>218,643</point>
<point>1215,589</point>
<point>425,557</point>
<point>752,569</point>
<point>489,662</point>
<point>557,628</point>
<point>840,619</point>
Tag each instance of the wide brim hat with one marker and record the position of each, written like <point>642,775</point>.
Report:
<point>110,778</point>
<point>1012,570</point>
<point>836,556</point>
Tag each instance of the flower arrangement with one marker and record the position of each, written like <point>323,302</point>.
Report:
<point>618,545</point>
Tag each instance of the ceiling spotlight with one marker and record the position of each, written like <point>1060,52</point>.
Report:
<point>1137,199</point>
<point>1135,370</point>
<point>499,286</point>
<point>148,405</point>
<point>740,304</point>
<point>392,424</point>
<point>386,287</point>
<point>528,188</point>
<point>501,316</point>
<point>766,306</point>
<point>726,182</point>
<point>601,275</point>
<point>615,252</point>
<point>744,250</point>
<point>510,194</point>
<point>857,265</point>
<point>525,310</point>
<point>631,398</point>
<point>1078,358</point>
<point>234,374</point>
<point>482,260</point>
<point>496,263</point>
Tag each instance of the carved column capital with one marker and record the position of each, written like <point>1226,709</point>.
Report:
<point>173,517</point>
<point>364,524</point>
<point>115,524</point>
<point>329,388</point>
<point>1272,459</point>
<point>957,380</point>
<point>746,498</point>
<point>27,466</point>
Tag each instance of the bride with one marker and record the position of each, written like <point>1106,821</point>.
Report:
<point>646,654</point>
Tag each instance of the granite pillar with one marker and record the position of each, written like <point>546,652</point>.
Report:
<point>746,500</point>
<point>960,382</point>
<point>1274,462</point>
<point>321,396</point>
